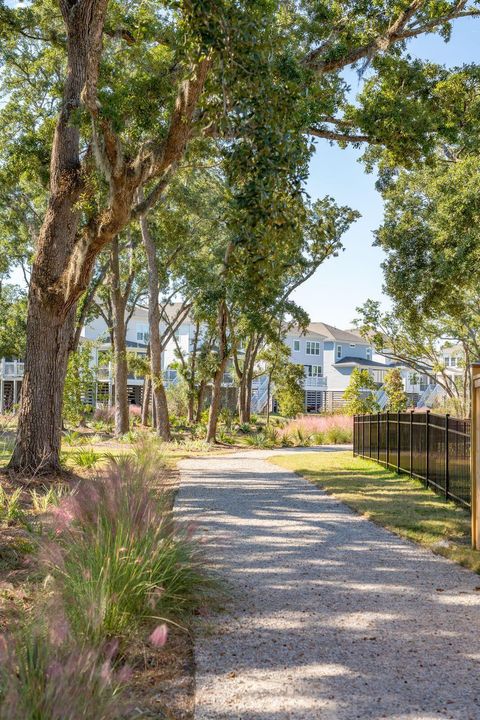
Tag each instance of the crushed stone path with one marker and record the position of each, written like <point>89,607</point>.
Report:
<point>330,617</point>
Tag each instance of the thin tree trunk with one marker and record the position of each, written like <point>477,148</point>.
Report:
<point>122,419</point>
<point>158,388</point>
<point>269,391</point>
<point>146,400</point>
<point>217,382</point>
<point>200,397</point>
<point>242,399</point>
<point>192,375</point>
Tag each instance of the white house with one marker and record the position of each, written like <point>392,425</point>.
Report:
<point>328,355</point>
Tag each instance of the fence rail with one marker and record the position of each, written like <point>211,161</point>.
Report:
<point>432,448</point>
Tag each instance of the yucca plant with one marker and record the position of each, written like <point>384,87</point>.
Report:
<point>338,435</point>
<point>10,506</point>
<point>123,559</point>
<point>42,501</point>
<point>86,458</point>
<point>304,439</point>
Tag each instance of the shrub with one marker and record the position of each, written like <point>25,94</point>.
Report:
<point>123,559</point>
<point>44,680</point>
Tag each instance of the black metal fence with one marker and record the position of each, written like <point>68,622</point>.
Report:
<point>433,448</point>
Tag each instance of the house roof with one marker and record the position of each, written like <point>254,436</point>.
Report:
<point>171,311</point>
<point>363,362</point>
<point>333,333</point>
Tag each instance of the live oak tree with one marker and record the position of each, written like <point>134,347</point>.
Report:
<point>137,84</point>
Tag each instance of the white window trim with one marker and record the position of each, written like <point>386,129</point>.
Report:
<point>295,343</point>
<point>312,345</point>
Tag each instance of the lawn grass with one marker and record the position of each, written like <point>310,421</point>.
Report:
<point>399,503</point>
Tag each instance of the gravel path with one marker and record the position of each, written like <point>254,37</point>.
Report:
<point>331,617</point>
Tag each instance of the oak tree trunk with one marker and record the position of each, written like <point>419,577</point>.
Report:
<point>51,305</point>
<point>37,447</point>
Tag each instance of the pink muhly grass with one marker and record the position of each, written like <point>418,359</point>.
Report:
<point>42,681</point>
<point>123,558</point>
<point>333,428</point>
<point>159,636</point>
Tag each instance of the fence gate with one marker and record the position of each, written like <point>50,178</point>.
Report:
<point>475,455</point>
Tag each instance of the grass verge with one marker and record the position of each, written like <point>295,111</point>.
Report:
<point>399,503</point>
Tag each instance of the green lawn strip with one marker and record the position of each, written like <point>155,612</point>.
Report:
<point>399,503</point>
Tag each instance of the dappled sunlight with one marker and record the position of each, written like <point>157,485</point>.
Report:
<point>319,597</point>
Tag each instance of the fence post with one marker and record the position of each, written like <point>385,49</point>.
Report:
<point>398,441</point>
<point>447,473</point>
<point>354,434</point>
<point>411,443</point>
<point>370,435</point>
<point>475,454</point>
<point>378,436</point>
<point>427,434</point>
<point>363,435</point>
<point>387,439</point>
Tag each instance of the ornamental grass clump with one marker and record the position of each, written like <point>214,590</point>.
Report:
<point>43,679</point>
<point>120,559</point>
<point>320,429</point>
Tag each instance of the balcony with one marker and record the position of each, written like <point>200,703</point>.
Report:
<point>314,382</point>
<point>11,370</point>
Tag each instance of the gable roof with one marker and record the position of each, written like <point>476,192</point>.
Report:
<point>333,333</point>
<point>348,361</point>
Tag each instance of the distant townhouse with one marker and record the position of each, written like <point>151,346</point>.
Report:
<point>328,355</point>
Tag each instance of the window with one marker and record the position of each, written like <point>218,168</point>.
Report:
<point>369,353</point>
<point>143,334</point>
<point>446,360</point>
<point>453,362</point>
<point>313,370</point>
<point>296,345</point>
<point>313,348</point>
<point>339,352</point>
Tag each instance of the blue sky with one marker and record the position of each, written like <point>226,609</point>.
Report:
<point>343,283</point>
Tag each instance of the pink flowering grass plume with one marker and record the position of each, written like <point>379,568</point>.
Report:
<point>159,636</point>
<point>71,681</point>
<point>123,558</point>
<point>319,429</point>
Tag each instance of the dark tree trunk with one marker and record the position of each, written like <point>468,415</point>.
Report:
<point>158,388</point>
<point>51,307</point>
<point>37,447</point>
<point>146,401</point>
